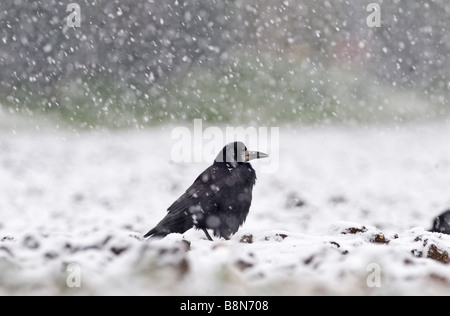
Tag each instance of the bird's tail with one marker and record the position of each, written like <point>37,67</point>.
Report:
<point>172,223</point>
<point>156,233</point>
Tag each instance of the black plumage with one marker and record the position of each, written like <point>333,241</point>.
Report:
<point>441,223</point>
<point>219,199</point>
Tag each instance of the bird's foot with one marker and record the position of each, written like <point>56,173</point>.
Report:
<point>207,235</point>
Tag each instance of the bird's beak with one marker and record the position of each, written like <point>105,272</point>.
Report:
<point>251,155</point>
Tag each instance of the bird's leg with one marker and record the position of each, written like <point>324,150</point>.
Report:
<point>207,234</point>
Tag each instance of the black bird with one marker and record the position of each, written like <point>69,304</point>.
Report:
<point>441,223</point>
<point>219,199</point>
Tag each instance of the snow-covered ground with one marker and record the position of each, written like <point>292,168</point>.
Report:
<point>347,210</point>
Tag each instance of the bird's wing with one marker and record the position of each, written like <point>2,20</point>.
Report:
<point>201,197</point>
<point>205,196</point>
<point>204,192</point>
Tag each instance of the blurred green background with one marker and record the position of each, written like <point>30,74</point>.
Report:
<point>134,64</point>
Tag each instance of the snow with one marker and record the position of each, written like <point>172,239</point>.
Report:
<point>88,161</point>
<point>344,201</point>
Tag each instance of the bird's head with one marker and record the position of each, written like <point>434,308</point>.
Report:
<point>235,153</point>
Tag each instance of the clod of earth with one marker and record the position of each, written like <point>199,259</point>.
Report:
<point>247,239</point>
<point>118,250</point>
<point>31,242</point>
<point>51,255</point>
<point>294,201</point>
<point>336,244</point>
<point>277,237</point>
<point>380,239</point>
<point>354,230</point>
<point>243,265</point>
<point>433,253</point>
<point>7,238</point>
<point>437,254</point>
